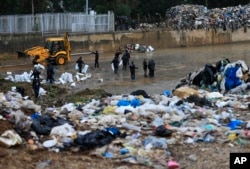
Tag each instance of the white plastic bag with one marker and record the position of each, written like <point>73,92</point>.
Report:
<point>85,68</point>
<point>76,67</point>
<point>120,64</point>
<point>112,67</point>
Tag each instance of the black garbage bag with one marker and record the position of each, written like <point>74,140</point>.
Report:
<point>162,131</point>
<point>197,80</point>
<point>20,90</point>
<point>42,124</point>
<point>198,101</point>
<point>220,65</point>
<point>140,92</point>
<point>94,139</point>
<point>208,76</point>
<point>61,121</point>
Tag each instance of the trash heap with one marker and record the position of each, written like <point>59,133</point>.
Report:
<point>189,17</point>
<point>138,128</point>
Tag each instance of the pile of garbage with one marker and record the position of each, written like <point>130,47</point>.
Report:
<point>189,17</point>
<point>139,48</point>
<point>65,78</point>
<point>224,77</point>
<point>138,128</point>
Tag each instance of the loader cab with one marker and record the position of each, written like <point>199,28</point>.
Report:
<point>55,46</point>
<point>58,49</point>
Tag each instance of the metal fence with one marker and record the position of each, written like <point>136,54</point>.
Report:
<point>57,23</point>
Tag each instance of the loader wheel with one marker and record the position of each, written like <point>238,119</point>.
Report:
<point>60,60</point>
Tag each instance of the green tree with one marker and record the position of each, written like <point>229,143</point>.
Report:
<point>25,6</point>
<point>74,5</point>
<point>9,7</point>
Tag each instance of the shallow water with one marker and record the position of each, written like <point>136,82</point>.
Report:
<point>171,66</point>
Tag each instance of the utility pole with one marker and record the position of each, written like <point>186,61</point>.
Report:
<point>87,7</point>
<point>32,7</point>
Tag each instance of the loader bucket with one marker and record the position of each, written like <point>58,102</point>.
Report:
<point>21,55</point>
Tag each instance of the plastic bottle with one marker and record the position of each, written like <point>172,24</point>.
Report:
<point>131,127</point>
<point>136,136</point>
<point>124,151</point>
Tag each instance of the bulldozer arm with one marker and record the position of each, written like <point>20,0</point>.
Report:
<point>38,53</point>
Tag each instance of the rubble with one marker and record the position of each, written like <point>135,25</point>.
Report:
<point>190,17</point>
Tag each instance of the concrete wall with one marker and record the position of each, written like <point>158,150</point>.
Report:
<point>110,42</point>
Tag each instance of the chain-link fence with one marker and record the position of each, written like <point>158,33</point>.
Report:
<point>57,23</point>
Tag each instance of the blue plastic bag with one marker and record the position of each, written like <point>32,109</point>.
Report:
<point>234,124</point>
<point>135,103</point>
<point>123,103</point>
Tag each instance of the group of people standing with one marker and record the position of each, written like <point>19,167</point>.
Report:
<point>80,63</point>
<point>147,65</point>
<point>36,82</point>
<point>124,61</point>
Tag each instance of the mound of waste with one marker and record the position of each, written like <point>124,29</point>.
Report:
<point>206,107</point>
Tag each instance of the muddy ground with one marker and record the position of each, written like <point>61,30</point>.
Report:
<point>171,66</point>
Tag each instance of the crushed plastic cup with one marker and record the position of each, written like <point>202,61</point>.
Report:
<point>136,136</point>
<point>157,122</point>
<point>131,127</point>
<point>167,93</point>
<point>208,138</point>
<point>247,133</point>
<point>107,154</point>
<point>173,164</point>
<point>232,136</point>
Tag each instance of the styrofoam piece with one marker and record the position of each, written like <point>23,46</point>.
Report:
<point>49,143</point>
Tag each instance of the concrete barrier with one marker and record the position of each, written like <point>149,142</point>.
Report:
<point>110,42</point>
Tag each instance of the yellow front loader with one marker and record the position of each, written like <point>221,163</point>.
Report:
<point>56,50</point>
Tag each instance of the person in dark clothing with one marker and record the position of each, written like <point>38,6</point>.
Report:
<point>96,59</point>
<point>35,74</point>
<point>145,67</point>
<point>128,55</point>
<point>115,62</point>
<point>36,86</point>
<point>132,70</point>
<point>50,73</point>
<point>80,63</point>
<point>125,60</point>
<point>151,67</point>
<point>20,90</point>
<point>117,54</point>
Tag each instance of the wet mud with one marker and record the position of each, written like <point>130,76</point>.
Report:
<point>171,66</point>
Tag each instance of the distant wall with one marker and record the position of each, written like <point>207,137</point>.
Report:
<point>109,42</point>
